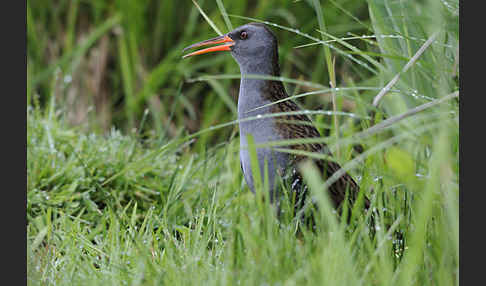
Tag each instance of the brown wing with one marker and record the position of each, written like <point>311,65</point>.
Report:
<point>300,126</point>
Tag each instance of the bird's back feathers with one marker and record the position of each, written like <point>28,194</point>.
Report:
<point>295,126</point>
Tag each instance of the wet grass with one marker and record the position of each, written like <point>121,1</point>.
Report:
<point>133,173</point>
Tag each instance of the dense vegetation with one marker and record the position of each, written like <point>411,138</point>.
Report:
<point>133,174</point>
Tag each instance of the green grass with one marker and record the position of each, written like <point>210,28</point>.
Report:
<point>133,173</point>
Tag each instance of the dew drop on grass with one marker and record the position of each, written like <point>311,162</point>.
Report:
<point>68,79</point>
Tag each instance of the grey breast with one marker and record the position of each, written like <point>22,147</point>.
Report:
<point>263,131</point>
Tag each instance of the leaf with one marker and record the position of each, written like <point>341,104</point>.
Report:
<point>400,162</point>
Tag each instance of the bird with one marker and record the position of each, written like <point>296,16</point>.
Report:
<point>255,48</point>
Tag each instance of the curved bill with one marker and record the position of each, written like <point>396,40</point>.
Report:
<point>218,40</point>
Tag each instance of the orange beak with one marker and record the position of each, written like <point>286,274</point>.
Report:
<point>218,40</point>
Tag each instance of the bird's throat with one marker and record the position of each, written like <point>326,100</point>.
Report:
<point>254,87</point>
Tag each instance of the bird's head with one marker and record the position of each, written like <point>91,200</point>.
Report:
<point>253,46</point>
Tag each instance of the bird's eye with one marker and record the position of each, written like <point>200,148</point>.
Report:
<point>243,35</point>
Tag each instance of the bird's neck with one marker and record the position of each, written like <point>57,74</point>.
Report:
<point>254,92</point>
<point>260,65</point>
